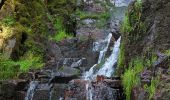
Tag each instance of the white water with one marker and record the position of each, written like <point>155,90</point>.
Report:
<point>120,3</point>
<point>107,69</point>
<point>31,90</point>
<point>102,46</point>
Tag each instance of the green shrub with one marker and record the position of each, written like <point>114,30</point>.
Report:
<point>126,27</point>
<point>58,24</point>
<point>61,35</point>
<point>10,69</point>
<point>150,61</point>
<point>121,56</point>
<point>167,52</point>
<point>131,77</point>
<point>152,88</point>
<point>9,21</point>
<point>129,80</point>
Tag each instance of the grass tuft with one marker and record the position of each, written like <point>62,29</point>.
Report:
<point>131,77</point>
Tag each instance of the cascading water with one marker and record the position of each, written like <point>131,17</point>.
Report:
<point>31,90</point>
<point>107,69</point>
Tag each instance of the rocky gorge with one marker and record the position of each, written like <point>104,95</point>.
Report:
<point>84,50</point>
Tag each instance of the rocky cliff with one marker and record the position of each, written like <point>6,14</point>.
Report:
<point>146,39</point>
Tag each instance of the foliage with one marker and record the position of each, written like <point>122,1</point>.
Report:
<point>126,27</point>
<point>167,52</point>
<point>149,62</point>
<point>133,27</point>
<point>84,15</point>
<point>8,21</point>
<point>121,56</point>
<point>10,69</point>
<point>61,35</point>
<point>58,23</point>
<point>152,88</point>
<point>131,77</point>
<point>129,80</point>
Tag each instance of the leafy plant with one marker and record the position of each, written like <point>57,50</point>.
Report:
<point>167,52</point>
<point>129,80</point>
<point>131,77</point>
<point>9,21</point>
<point>152,88</point>
<point>61,35</point>
<point>10,69</point>
<point>126,27</point>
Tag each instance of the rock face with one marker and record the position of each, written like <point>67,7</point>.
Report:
<point>155,16</point>
<point>153,38</point>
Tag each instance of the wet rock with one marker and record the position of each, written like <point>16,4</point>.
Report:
<point>100,90</point>
<point>113,83</point>
<point>27,76</point>
<point>68,71</point>
<point>53,52</point>
<point>59,77</point>
<point>79,49</point>
<point>44,76</point>
<point>42,92</point>
<point>76,90</point>
<point>146,74</point>
<point>7,90</point>
<point>20,95</point>
<point>21,85</point>
<point>58,91</point>
<point>72,62</point>
<point>139,94</point>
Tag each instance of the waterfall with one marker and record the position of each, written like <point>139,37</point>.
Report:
<point>31,90</point>
<point>102,46</point>
<point>107,69</point>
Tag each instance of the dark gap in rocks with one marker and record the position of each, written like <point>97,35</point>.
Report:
<point>59,79</point>
<point>24,37</point>
<point>2,3</point>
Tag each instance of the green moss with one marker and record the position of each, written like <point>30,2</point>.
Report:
<point>167,52</point>
<point>126,27</point>
<point>133,28</point>
<point>61,35</point>
<point>8,21</point>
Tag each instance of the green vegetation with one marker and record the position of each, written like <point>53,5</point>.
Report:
<point>167,52</point>
<point>148,62</point>
<point>61,33</point>
<point>130,80</point>
<point>84,15</point>
<point>126,27</point>
<point>131,77</point>
<point>8,21</point>
<point>121,58</point>
<point>132,25</point>
<point>152,88</point>
<point>10,69</point>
